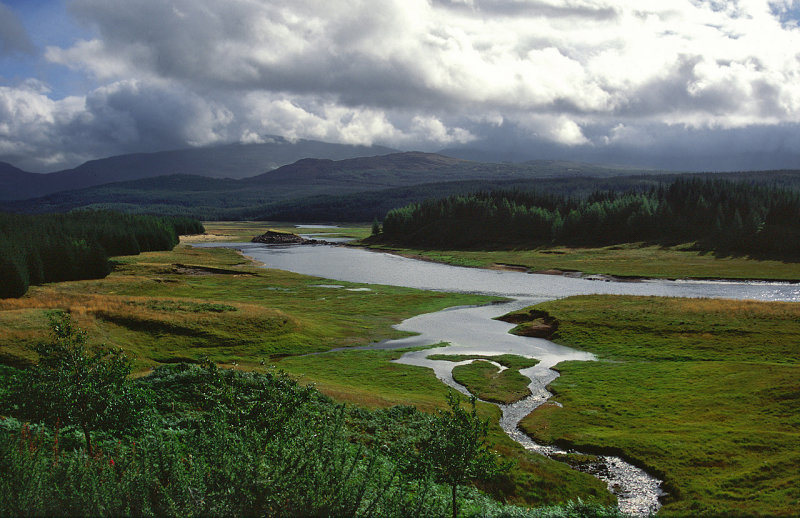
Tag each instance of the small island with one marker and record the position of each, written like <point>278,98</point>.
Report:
<point>274,237</point>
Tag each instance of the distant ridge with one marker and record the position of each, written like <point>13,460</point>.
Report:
<point>353,187</point>
<point>226,161</point>
<point>313,169</point>
<point>212,198</point>
<point>16,184</point>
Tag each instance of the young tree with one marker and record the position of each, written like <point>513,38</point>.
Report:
<point>72,386</point>
<point>456,449</point>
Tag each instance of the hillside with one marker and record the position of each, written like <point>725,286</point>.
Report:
<point>16,184</point>
<point>227,161</point>
<point>212,198</point>
<point>356,189</point>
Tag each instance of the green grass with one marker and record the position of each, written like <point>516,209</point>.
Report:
<point>159,313</point>
<point>253,318</point>
<point>626,260</point>
<point>370,379</point>
<point>486,381</point>
<point>512,361</point>
<point>704,393</point>
<point>489,383</point>
<point>237,231</point>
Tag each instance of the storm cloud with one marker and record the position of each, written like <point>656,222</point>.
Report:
<point>617,80</point>
<point>13,36</point>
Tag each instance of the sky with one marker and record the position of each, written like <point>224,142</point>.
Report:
<point>678,84</point>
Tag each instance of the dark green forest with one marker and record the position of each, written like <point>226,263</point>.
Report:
<point>719,215</point>
<point>63,247</point>
<point>357,195</point>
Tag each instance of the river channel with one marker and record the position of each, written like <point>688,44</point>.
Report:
<point>473,330</point>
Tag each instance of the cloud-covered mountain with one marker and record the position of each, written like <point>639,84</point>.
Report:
<point>228,161</point>
<point>308,177</point>
<point>678,84</point>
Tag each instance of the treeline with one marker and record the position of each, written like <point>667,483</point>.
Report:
<point>718,215</point>
<point>62,247</point>
<point>210,199</point>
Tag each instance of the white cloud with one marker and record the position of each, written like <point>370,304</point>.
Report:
<point>589,57</point>
<point>121,117</point>
<point>410,72</point>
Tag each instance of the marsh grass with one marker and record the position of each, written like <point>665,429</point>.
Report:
<point>486,381</point>
<point>512,361</point>
<point>158,313</point>
<point>233,231</point>
<point>625,260</point>
<point>704,393</point>
<point>489,383</point>
<point>370,379</point>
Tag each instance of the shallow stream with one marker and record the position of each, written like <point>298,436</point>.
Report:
<point>473,330</point>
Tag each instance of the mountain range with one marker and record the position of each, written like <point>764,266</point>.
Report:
<point>226,161</point>
<point>239,182</point>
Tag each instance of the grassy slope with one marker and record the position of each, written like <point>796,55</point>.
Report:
<point>154,309</point>
<point>369,379</point>
<point>705,393</point>
<point>159,312</point>
<point>628,260</point>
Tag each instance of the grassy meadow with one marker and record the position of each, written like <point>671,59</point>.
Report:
<point>704,393</point>
<point>193,303</point>
<point>626,260</point>
<point>189,303</point>
<point>369,379</point>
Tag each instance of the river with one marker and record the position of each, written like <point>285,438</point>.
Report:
<point>473,330</point>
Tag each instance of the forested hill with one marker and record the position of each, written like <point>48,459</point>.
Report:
<point>225,161</point>
<point>357,189</point>
<point>211,198</point>
<point>716,214</point>
<point>65,247</point>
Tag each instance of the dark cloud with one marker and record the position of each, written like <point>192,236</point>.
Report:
<point>13,36</point>
<point>592,79</point>
<point>530,8</point>
<point>650,146</point>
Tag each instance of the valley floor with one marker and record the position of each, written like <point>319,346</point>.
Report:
<point>704,393</point>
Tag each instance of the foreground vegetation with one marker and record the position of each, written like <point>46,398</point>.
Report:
<point>205,441</point>
<point>196,441</point>
<point>704,393</point>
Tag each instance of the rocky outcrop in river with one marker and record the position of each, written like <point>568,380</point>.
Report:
<point>534,323</point>
<point>271,237</point>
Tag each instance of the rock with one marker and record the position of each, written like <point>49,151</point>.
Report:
<point>534,323</point>
<point>271,237</point>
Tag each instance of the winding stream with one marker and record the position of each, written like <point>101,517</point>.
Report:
<point>473,330</point>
